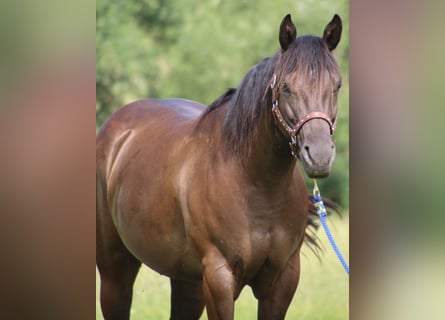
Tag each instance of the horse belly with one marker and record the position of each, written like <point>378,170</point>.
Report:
<point>152,228</point>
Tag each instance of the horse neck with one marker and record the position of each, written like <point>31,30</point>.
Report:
<point>268,160</point>
<point>263,154</point>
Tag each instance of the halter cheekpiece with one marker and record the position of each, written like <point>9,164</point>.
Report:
<point>293,131</point>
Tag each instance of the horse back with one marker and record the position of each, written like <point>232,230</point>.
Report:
<point>156,118</point>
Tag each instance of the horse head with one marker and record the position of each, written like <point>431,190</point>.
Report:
<point>305,87</point>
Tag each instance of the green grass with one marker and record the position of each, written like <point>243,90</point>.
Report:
<point>323,292</point>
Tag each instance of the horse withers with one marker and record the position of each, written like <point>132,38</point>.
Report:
<point>212,197</point>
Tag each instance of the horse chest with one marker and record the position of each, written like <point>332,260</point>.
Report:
<point>266,245</point>
<point>275,242</point>
<point>263,230</point>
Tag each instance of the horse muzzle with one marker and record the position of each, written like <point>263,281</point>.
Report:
<point>317,158</point>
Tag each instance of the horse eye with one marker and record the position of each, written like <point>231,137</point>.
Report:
<point>285,88</point>
<point>337,87</point>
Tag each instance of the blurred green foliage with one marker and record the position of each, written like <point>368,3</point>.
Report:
<point>196,49</point>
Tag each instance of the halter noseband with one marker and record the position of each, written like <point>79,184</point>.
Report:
<point>293,131</point>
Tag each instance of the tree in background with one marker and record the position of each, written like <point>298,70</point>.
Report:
<point>196,50</point>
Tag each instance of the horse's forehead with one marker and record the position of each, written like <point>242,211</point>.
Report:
<point>314,77</point>
<point>314,64</point>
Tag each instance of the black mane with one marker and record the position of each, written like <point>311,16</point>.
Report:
<point>219,102</point>
<point>246,106</point>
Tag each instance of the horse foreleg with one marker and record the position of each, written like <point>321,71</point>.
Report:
<point>274,300</point>
<point>219,287</point>
<point>187,300</point>
<point>117,268</point>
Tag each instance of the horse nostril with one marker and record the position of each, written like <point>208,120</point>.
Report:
<point>306,147</point>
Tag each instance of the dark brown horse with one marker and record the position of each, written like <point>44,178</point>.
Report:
<point>212,197</point>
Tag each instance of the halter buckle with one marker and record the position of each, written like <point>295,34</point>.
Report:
<point>293,146</point>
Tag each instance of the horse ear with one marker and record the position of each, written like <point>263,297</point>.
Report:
<point>288,32</point>
<point>332,32</point>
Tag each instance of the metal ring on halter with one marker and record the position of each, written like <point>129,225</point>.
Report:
<point>274,81</point>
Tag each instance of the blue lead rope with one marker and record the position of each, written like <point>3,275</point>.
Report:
<point>321,211</point>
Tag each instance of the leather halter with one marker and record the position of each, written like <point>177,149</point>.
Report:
<point>293,131</point>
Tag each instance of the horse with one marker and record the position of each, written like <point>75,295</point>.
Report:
<point>212,197</point>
